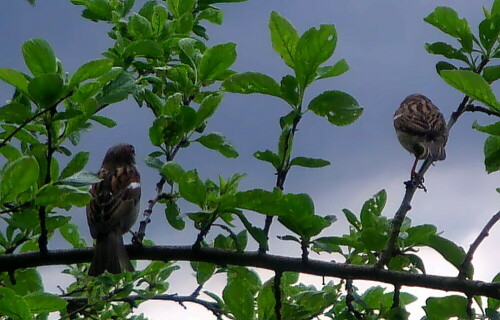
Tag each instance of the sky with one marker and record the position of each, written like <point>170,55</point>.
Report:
<point>382,41</point>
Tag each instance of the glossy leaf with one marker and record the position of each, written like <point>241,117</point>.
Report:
<point>172,171</point>
<point>13,305</point>
<point>204,271</point>
<point>259,200</point>
<point>80,179</point>
<point>70,233</point>
<point>492,154</point>
<point>172,213</point>
<point>447,20</point>
<point>445,50</point>
<point>268,156</point>
<point>333,71</point>
<point>91,70</point>
<point>218,142</point>
<point>473,85</point>
<point>338,107</point>
<point>208,106</point>
<point>216,61</point>
<point>192,188</point>
<point>105,121</point>
<point>314,47</point>
<point>309,162</point>
<point>144,48</point>
<point>75,165</point>
<point>289,92</point>
<point>40,302</point>
<point>18,176</point>
<point>493,129</point>
<point>239,299</point>
<point>39,57</point>
<point>284,37</point>
<point>45,89</point>
<point>139,27</point>
<point>252,82</point>
<point>118,89</point>
<point>446,307</point>
<point>372,209</point>
<point>14,78</point>
<point>491,73</point>
<point>256,233</point>
<point>448,249</point>
<point>15,113</point>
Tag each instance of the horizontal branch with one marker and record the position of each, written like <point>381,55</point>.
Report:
<point>254,259</point>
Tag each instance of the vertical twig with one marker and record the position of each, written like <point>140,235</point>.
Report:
<point>349,299</point>
<point>473,247</point>
<point>277,293</point>
<point>396,297</point>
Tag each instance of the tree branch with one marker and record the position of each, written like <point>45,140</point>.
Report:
<point>254,259</point>
<point>473,108</point>
<point>473,247</point>
<point>277,293</point>
<point>349,299</point>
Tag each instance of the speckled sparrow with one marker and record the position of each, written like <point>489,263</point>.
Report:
<point>113,209</point>
<point>421,129</point>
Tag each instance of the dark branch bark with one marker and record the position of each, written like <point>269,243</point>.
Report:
<point>473,108</point>
<point>254,259</point>
<point>277,293</point>
<point>473,247</point>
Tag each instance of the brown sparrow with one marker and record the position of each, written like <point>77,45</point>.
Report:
<point>113,209</point>
<point>421,129</point>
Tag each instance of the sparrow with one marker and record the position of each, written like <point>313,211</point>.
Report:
<point>113,209</point>
<point>421,129</point>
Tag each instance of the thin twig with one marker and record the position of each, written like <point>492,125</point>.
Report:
<point>473,247</point>
<point>349,299</point>
<point>254,259</point>
<point>396,297</point>
<point>141,233</point>
<point>231,234</point>
<point>281,174</point>
<point>277,293</point>
<point>474,108</point>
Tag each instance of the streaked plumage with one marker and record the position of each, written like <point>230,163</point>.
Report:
<point>113,209</point>
<point>421,128</point>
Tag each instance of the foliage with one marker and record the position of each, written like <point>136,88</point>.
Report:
<point>160,57</point>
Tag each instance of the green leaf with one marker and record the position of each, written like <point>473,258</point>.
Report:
<point>40,302</point>
<point>338,107</point>
<point>158,19</point>
<point>297,215</point>
<point>105,121</point>
<point>216,61</point>
<point>172,171</point>
<point>45,89</point>
<point>39,57</point>
<point>15,112</point>
<point>419,235</point>
<point>208,107</point>
<point>91,70</point>
<point>204,271</point>
<point>14,78</point>
<point>118,89</point>
<point>491,73</point>
<point>314,47</point>
<point>213,15</point>
<point>333,71</point>
<point>14,306</point>
<point>448,249</point>
<point>259,200</point>
<point>216,141</point>
<point>268,156</point>
<point>70,233</point>
<point>266,302</point>
<point>493,129</point>
<point>239,299</point>
<point>445,50</point>
<point>252,82</point>
<point>309,162</point>
<point>10,152</point>
<point>256,233</point>
<point>290,94</point>
<point>446,307</point>
<point>22,135</point>
<point>18,176</point>
<point>144,48</point>
<point>473,85</point>
<point>139,27</point>
<point>489,30</point>
<point>284,37</point>
<point>447,20</point>
<point>180,7</point>
<point>75,165</point>
<point>373,239</point>
<point>372,209</point>
<point>443,65</point>
<point>62,196</point>
<point>351,217</point>
<point>173,215</point>
<point>80,179</point>
<point>492,154</point>
<point>192,188</point>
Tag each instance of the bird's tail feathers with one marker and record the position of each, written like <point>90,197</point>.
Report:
<point>432,150</point>
<point>110,254</point>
